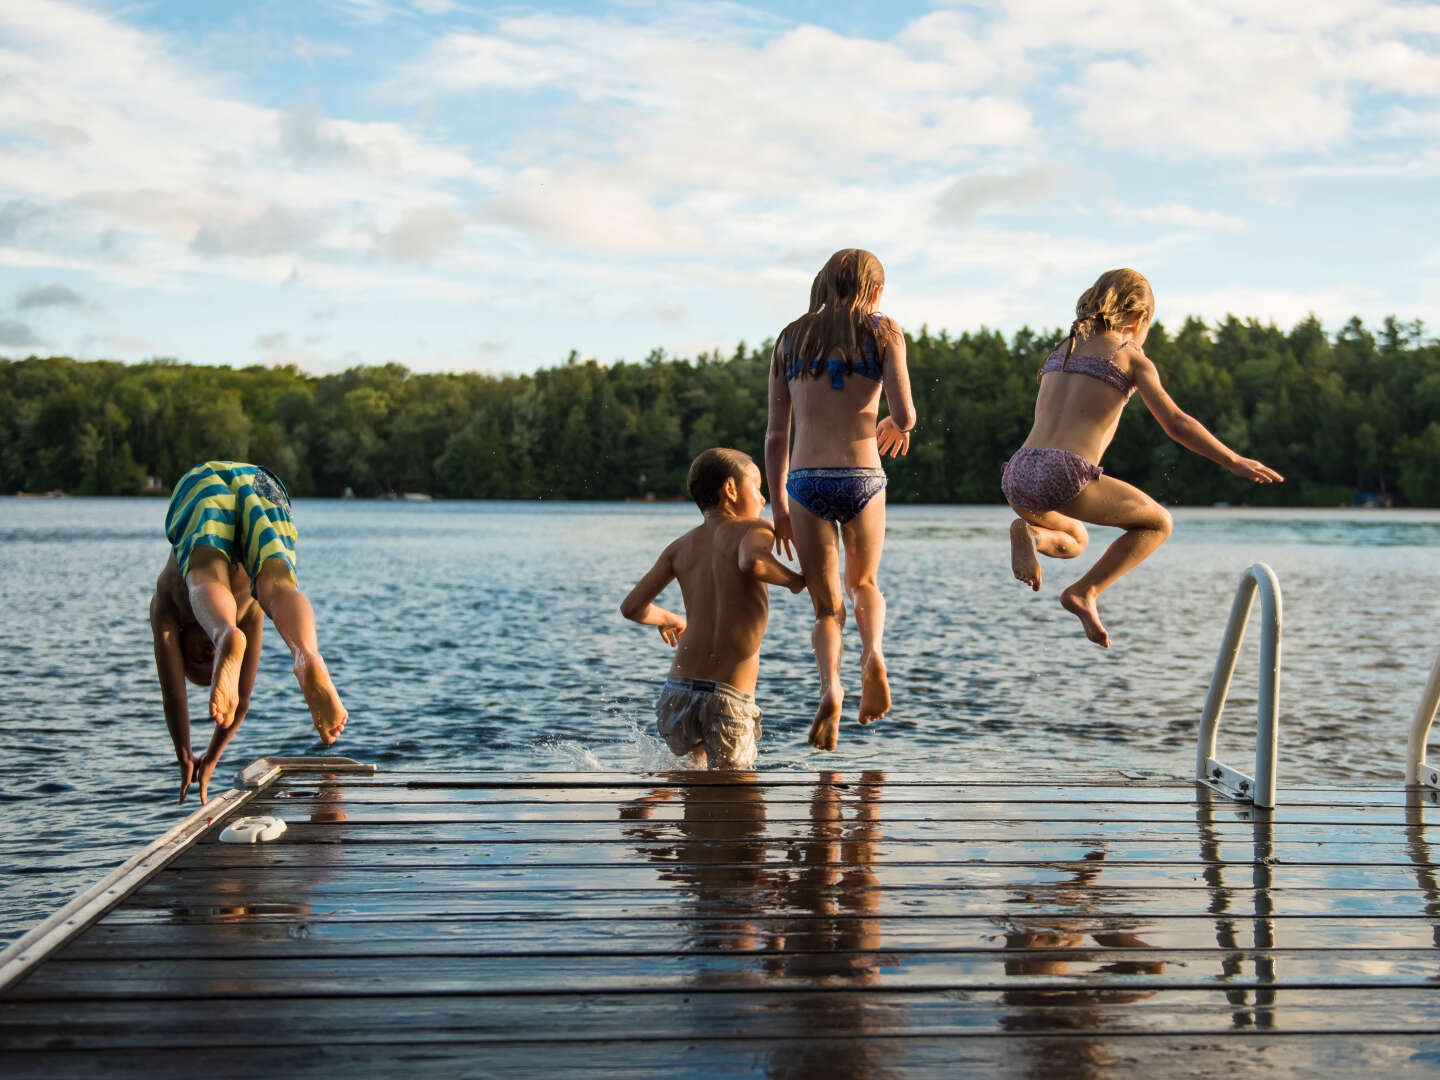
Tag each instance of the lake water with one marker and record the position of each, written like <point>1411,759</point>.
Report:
<point>488,635</point>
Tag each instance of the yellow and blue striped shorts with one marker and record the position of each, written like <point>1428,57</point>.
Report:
<point>241,510</point>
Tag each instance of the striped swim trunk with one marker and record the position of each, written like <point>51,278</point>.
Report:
<point>241,510</point>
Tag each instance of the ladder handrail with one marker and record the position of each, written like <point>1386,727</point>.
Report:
<point>1259,789</point>
<point>1416,771</point>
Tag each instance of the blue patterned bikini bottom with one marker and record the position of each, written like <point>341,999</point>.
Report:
<point>835,494</point>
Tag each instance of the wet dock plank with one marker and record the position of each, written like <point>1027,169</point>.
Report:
<point>851,924</point>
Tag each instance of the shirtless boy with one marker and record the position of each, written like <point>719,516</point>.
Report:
<point>232,562</point>
<point>725,567</point>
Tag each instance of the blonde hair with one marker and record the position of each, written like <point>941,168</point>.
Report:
<point>841,297</point>
<point>1116,298</point>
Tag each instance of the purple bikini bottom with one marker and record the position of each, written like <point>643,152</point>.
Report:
<point>1041,479</point>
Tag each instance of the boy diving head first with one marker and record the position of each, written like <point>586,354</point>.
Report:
<point>232,562</point>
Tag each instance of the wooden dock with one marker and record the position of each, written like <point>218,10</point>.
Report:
<point>852,924</point>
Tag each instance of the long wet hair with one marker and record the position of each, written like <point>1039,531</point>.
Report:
<point>840,303</point>
<point>1116,298</point>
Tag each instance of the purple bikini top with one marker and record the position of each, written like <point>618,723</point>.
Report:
<point>1097,367</point>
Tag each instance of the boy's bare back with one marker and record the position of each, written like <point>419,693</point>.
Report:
<point>725,566</point>
<point>726,607</point>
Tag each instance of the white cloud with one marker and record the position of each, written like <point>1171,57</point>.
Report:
<point>1250,109</point>
<point>1180,214</point>
<point>274,231</point>
<point>513,156</point>
<point>365,12</point>
<point>374,12</point>
<point>110,135</point>
<point>678,100</point>
<point>971,194</point>
<point>1217,79</point>
<point>119,345</point>
<point>467,61</point>
<point>423,233</point>
<point>1284,307</point>
<point>588,211</point>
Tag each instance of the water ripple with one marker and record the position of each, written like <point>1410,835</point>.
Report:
<point>488,635</point>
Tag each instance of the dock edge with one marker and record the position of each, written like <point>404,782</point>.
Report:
<point>92,903</point>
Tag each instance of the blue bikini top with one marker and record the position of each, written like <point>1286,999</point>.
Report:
<point>868,365</point>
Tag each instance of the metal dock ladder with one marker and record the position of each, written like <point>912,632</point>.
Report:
<point>1259,789</point>
<point>1417,772</point>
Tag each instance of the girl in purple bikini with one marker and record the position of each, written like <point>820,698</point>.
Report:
<point>828,370</point>
<point>1054,482</point>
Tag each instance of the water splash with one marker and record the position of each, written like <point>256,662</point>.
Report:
<point>629,748</point>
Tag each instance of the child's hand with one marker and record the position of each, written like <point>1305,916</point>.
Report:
<point>671,631</point>
<point>187,774</point>
<point>891,439</point>
<point>797,583</point>
<point>204,769</point>
<point>1250,469</point>
<point>784,534</point>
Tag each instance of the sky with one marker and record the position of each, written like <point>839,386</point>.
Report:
<point>485,187</point>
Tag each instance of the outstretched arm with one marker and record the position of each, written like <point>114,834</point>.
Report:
<point>777,455</point>
<point>757,560</point>
<point>640,605</point>
<point>1186,430</point>
<point>893,432</point>
<point>170,667</point>
<point>252,625</point>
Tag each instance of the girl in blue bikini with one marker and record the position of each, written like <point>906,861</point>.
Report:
<point>1054,482</point>
<point>828,370</point>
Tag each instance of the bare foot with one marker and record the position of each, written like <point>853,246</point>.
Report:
<point>1024,562</point>
<point>225,676</point>
<point>1082,606</point>
<point>825,728</point>
<point>326,711</point>
<point>874,690</point>
<point>187,776</point>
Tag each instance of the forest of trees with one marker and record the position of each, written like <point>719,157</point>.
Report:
<point>1359,412</point>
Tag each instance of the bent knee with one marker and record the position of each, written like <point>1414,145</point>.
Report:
<point>1156,519</point>
<point>1164,523</point>
<point>1073,541</point>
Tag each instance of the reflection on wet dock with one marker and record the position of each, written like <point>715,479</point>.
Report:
<point>760,924</point>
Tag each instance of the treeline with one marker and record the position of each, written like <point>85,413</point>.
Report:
<point>1359,412</point>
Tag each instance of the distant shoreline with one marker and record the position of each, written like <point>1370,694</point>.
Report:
<point>680,501</point>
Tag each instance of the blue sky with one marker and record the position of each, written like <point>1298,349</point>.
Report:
<point>458,186</point>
